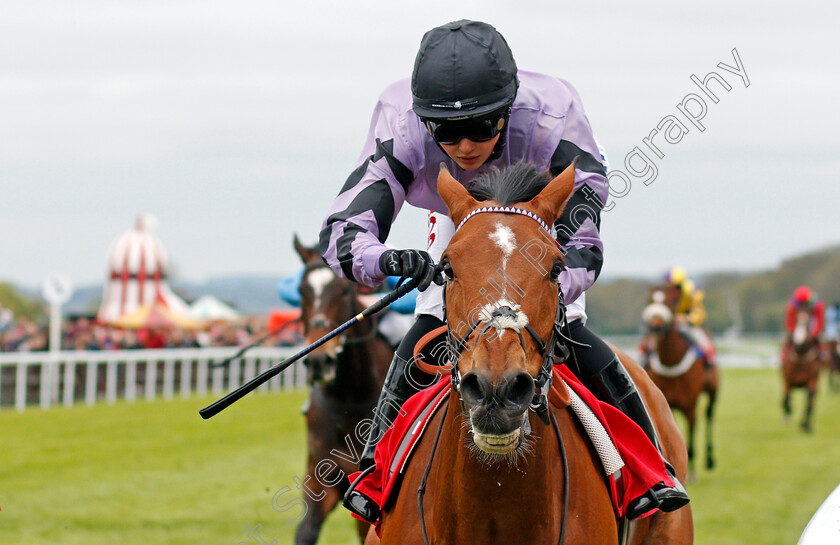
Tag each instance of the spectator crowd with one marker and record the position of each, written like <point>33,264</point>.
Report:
<point>18,334</point>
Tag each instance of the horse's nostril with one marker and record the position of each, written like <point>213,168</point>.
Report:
<point>474,389</point>
<point>519,390</point>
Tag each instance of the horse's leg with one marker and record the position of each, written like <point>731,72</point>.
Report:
<point>691,416</point>
<point>786,403</point>
<point>812,393</point>
<point>710,409</point>
<point>320,500</point>
<point>362,528</point>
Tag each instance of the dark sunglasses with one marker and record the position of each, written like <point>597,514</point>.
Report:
<point>477,130</point>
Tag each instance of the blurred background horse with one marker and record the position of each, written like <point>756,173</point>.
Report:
<point>801,363</point>
<point>344,377</point>
<point>679,368</point>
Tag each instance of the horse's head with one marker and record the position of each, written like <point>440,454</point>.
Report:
<point>326,302</point>
<point>657,316</point>
<point>502,266</point>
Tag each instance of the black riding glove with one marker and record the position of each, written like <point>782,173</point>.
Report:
<point>411,264</point>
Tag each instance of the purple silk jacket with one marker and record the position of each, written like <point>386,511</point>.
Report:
<point>400,163</point>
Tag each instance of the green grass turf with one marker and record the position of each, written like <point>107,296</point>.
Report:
<point>156,473</point>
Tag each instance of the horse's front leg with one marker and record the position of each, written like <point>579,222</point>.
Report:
<point>691,416</point>
<point>710,458</point>
<point>786,403</point>
<point>812,394</point>
<point>320,500</point>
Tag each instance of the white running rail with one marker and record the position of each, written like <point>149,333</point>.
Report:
<point>45,379</point>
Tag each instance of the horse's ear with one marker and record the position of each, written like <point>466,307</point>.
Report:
<point>552,199</point>
<point>457,198</point>
<point>306,254</point>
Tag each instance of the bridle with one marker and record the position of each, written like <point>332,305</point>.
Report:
<point>556,343</point>
<point>350,293</point>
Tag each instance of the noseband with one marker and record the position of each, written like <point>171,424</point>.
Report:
<point>547,349</point>
<point>351,311</point>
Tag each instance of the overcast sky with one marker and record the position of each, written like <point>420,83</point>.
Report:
<point>236,122</point>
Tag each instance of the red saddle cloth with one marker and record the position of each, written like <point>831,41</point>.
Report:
<point>643,469</point>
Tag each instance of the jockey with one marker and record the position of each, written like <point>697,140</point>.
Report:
<point>804,299</point>
<point>468,107</point>
<point>690,312</point>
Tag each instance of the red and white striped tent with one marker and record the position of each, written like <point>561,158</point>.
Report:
<point>137,274</point>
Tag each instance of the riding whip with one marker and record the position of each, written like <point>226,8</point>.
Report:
<point>218,406</point>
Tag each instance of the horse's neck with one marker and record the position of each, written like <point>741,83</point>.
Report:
<point>495,497</point>
<point>671,346</point>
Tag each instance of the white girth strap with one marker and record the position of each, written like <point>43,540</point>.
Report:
<point>604,446</point>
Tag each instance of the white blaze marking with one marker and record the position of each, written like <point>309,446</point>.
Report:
<point>318,280</point>
<point>505,239</point>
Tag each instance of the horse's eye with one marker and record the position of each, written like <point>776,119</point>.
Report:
<point>556,269</point>
<point>446,267</point>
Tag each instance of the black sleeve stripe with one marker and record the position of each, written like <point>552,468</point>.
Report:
<point>377,198</point>
<point>401,172</point>
<point>564,155</point>
<point>383,149</point>
<point>590,259</point>
<point>355,176</point>
<point>583,204</point>
<point>344,245</point>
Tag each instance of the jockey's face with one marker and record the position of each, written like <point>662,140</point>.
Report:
<point>673,293</point>
<point>469,154</point>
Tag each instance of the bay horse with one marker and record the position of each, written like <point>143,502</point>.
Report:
<point>679,370</point>
<point>344,376</point>
<point>490,468</point>
<point>801,363</point>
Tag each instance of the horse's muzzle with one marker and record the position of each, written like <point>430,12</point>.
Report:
<point>497,412</point>
<point>320,367</point>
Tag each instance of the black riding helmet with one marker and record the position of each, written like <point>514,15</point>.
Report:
<point>464,70</point>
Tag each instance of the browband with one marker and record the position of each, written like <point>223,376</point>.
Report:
<point>508,210</point>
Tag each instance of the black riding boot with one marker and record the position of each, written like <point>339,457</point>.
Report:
<point>614,385</point>
<point>395,391</point>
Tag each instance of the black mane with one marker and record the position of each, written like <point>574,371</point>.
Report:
<point>510,185</point>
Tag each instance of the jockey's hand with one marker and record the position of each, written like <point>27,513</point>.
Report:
<point>411,264</point>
